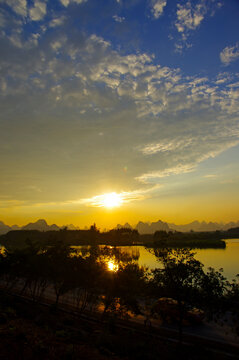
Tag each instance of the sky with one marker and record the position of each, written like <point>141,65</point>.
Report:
<point>135,98</point>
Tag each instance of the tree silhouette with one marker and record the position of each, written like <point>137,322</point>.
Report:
<point>179,278</point>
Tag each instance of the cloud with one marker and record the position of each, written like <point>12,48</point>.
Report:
<point>229,54</point>
<point>210,176</point>
<point>157,7</point>
<point>18,6</point>
<point>5,204</point>
<point>165,146</point>
<point>223,78</point>
<point>187,160</point>
<point>124,197</point>
<point>38,11</point>
<point>119,19</point>
<point>57,21</point>
<point>153,177</point>
<point>190,16</point>
<point>234,85</point>
<point>68,2</point>
<point>58,94</point>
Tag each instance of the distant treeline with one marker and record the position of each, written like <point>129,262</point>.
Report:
<point>120,237</point>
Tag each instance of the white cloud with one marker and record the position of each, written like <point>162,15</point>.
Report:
<point>68,2</point>
<point>38,11</point>
<point>153,177</point>
<point>229,54</point>
<point>119,19</point>
<point>233,85</point>
<point>57,21</point>
<point>18,6</point>
<point>189,17</point>
<point>165,146</point>
<point>155,121</point>
<point>210,176</point>
<point>157,7</point>
<point>223,78</point>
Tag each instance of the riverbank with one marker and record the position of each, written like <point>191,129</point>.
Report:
<point>36,330</point>
<point>21,238</point>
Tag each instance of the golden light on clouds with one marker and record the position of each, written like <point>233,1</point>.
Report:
<point>108,200</point>
<point>111,200</point>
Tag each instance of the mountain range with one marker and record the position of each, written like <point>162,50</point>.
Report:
<point>150,228</point>
<point>142,227</point>
<point>40,225</point>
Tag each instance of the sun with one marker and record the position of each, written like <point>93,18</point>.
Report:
<point>111,200</point>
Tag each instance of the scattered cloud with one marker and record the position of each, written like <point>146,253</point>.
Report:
<point>157,7</point>
<point>123,197</point>
<point>57,21</point>
<point>229,54</point>
<point>76,93</point>
<point>223,78</point>
<point>234,85</point>
<point>210,176</point>
<point>153,177</point>
<point>68,2</point>
<point>5,204</point>
<point>18,6</point>
<point>38,11</point>
<point>165,146</point>
<point>190,16</point>
<point>119,19</point>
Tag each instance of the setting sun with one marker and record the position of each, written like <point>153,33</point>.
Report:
<point>111,200</point>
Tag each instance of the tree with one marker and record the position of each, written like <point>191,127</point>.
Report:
<point>232,301</point>
<point>59,265</point>
<point>179,278</point>
<point>213,288</point>
<point>123,288</point>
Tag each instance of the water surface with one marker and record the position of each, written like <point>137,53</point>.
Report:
<point>227,258</point>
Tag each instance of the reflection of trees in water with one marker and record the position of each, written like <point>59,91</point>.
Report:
<point>83,274</point>
<point>114,255</point>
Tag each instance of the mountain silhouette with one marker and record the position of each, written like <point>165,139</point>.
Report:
<point>142,227</point>
<point>40,225</point>
<point>150,228</point>
<point>4,228</point>
<point>125,226</point>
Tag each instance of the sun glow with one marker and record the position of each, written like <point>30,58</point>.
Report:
<point>112,266</point>
<point>111,200</point>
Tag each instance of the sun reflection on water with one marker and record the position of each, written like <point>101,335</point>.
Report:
<point>112,266</point>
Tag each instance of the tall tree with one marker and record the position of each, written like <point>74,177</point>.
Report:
<point>178,277</point>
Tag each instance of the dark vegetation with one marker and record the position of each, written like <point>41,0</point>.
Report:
<point>55,271</point>
<point>120,237</point>
<point>33,331</point>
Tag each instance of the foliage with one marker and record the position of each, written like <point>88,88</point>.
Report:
<point>36,270</point>
<point>179,278</point>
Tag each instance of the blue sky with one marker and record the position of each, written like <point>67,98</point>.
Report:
<point>135,97</point>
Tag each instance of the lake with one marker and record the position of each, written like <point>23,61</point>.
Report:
<point>227,258</point>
